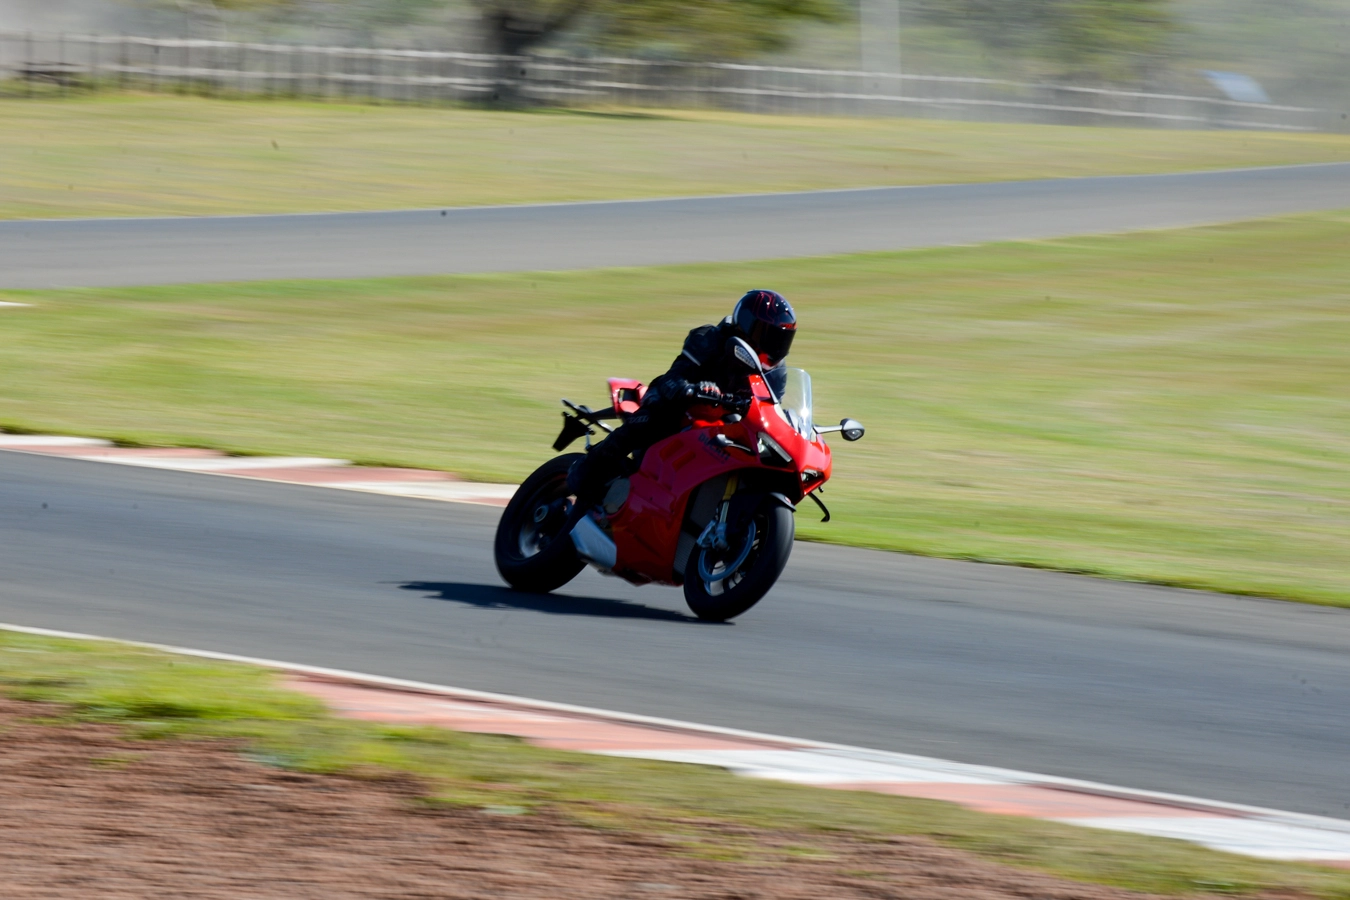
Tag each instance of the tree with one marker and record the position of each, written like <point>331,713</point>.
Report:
<point>1104,40</point>
<point>683,28</point>
<point>513,27</point>
<point>725,29</point>
<point>707,29</point>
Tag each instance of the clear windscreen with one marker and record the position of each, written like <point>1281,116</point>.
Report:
<point>793,388</point>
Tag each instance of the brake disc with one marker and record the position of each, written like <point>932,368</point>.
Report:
<point>731,567</point>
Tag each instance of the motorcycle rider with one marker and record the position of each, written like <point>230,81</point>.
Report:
<point>702,373</point>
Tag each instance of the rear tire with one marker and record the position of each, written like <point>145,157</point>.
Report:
<point>533,550</point>
<point>718,601</point>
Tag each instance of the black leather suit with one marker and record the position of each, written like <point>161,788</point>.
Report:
<point>703,358</point>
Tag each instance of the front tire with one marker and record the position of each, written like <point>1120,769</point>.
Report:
<point>732,593</point>
<point>533,549</point>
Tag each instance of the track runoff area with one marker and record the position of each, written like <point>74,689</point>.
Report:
<point>167,250</point>
<point>1233,828</point>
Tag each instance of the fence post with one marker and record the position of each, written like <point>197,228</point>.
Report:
<point>364,87</point>
<point>399,60</point>
<point>440,91</point>
<point>407,70</point>
<point>219,68</point>
<point>377,70</point>
<point>413,71</point>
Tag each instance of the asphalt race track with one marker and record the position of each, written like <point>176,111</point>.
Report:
<point>90,252</point>
<point>1231,698</point>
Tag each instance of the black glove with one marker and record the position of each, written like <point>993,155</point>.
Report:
<point>706,390</point>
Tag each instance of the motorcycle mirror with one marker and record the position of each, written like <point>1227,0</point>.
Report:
<point>746,355</point>
<point>851,429</point>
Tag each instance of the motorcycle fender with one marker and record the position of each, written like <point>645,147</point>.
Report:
<point>744,504</point>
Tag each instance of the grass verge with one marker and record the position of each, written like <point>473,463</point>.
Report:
<point>160,696</point>
<point>1165,406</point>
<point>138,155</point>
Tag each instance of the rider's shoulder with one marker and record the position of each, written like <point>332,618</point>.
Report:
<point>704,343</point>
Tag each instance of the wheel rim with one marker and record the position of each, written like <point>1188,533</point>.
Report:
<point>542,519</point>
<point>722,575</point>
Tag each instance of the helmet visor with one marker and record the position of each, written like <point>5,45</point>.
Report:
<point>775,343</point>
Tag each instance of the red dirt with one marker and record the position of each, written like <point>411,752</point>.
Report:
<point>85,812</point>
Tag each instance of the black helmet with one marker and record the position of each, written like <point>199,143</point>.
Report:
<point>766,320</point>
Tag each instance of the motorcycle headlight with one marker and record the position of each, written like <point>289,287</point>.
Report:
<point>771,453</point>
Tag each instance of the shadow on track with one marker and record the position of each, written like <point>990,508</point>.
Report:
<point>488,596</point>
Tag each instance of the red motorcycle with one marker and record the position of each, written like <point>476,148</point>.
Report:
<point>710,508</point>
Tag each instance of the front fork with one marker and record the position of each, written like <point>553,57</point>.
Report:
<point>714,536</point>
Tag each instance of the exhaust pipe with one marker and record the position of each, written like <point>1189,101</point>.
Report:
<point>593,545</point>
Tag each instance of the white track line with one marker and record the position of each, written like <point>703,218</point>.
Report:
<point>445,491</point>
<point>27,441</point>
<point>1231,827</point>
<point>222,464</point>
<point>455,491</point>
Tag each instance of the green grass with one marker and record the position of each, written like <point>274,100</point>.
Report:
<point>124,155</point>
<point>159,696</point>
<point>1164,406</point>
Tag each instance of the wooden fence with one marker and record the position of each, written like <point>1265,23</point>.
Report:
<point>42,63</point>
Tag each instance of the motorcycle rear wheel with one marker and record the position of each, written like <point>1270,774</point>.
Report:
<point>532,549</point>
<point>736,591</point>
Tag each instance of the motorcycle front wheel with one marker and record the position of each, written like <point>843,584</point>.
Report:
<point>533,550</point>
<point>721,584</point>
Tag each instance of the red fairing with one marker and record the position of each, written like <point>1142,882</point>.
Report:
<point>646,530</point>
